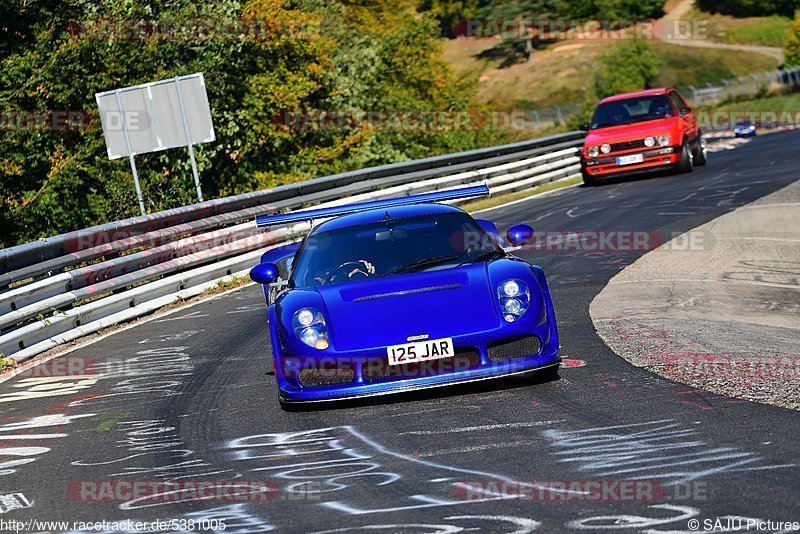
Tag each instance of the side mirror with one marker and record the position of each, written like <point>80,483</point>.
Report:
<point>584,127</point>
<point>264,273</point>
<point>519,234</point>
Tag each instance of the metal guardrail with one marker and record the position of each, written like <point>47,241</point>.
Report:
<point>38,251</point>
<point>92,243</point>
<point>126,269</point>
<point>744,86</point>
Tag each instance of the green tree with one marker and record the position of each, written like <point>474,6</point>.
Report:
<point>449,13</point>
<point>792,47</point>
<point>526,39</point>
<point>614,10</point>
<point>750,8</point>
<point>630,66</point>
<point>291,56</point>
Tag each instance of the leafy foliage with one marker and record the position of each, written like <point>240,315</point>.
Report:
<point>614,10</point>
<point>306,55</point>
<point>750,8</point>
<point>630,66</point>
<point>792,46</point>
<point>520,41</point>
<point>451,12</point>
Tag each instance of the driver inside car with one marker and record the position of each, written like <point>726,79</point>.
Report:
<point>342,265</point>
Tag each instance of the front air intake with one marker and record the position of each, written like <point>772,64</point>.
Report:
<point>318,376</point>
<point>522,347</point>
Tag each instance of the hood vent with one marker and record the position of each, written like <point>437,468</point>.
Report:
<point>406,292</point>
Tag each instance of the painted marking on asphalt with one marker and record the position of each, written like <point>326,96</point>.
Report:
<point>339,461</point>
<point>40,360</point>
<point>429,410</point>
<point>656,449</point>
<point>13,501</point>
<point>480,427</point>
<point>48,386</point>
<point>191,315</point>
<point>553,192</point>
<point>44,421</point>
<point>475,448</point>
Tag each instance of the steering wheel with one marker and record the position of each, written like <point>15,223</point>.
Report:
<point>350,269</point>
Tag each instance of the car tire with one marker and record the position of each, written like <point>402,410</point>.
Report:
<point>700,154</point>
<point>687,160</point>
<point>588,181</point>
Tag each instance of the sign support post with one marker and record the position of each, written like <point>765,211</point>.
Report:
<point>188,139</point>
<point>123,122</point>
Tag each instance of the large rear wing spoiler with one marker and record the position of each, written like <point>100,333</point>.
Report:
<point>336,211</point>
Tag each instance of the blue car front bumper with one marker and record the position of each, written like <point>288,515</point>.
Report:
<point>472,363</point>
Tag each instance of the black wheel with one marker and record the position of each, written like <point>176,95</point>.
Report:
<point>700,156</point>
<point>588,181</point>
<point>687,160</point>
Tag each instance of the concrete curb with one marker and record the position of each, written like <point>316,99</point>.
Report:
<point>717,308</point>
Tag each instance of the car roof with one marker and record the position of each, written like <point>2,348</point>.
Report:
<point>377,215</point>
<point>634,94</point>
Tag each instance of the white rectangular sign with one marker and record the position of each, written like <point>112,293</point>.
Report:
<point>154,115</point>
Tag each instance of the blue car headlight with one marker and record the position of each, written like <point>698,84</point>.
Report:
<point>515,298</point>
<point>310,328</point>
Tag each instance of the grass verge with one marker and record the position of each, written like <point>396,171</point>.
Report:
<point>7,364</point>
<point>224,285</point>
<point>762,31</point>
<point>560,74</point>
<point>789,103</point>
<point>682,66</point>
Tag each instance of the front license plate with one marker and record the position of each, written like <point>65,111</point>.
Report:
<point>630,159</point>
<point>420,351</point>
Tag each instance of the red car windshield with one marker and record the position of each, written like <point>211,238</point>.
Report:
<point>631,110</point>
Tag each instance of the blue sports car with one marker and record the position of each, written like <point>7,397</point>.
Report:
<point>402,294</point>
<point>744,129</point>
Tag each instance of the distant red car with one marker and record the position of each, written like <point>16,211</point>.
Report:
<point>640,132</point>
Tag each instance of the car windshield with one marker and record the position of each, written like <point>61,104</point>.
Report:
<point>631,110</point>
<point>392,247</point>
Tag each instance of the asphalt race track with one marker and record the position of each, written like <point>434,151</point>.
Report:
<point>185,397</point>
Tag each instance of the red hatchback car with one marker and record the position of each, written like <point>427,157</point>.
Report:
<point>641,132</point>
